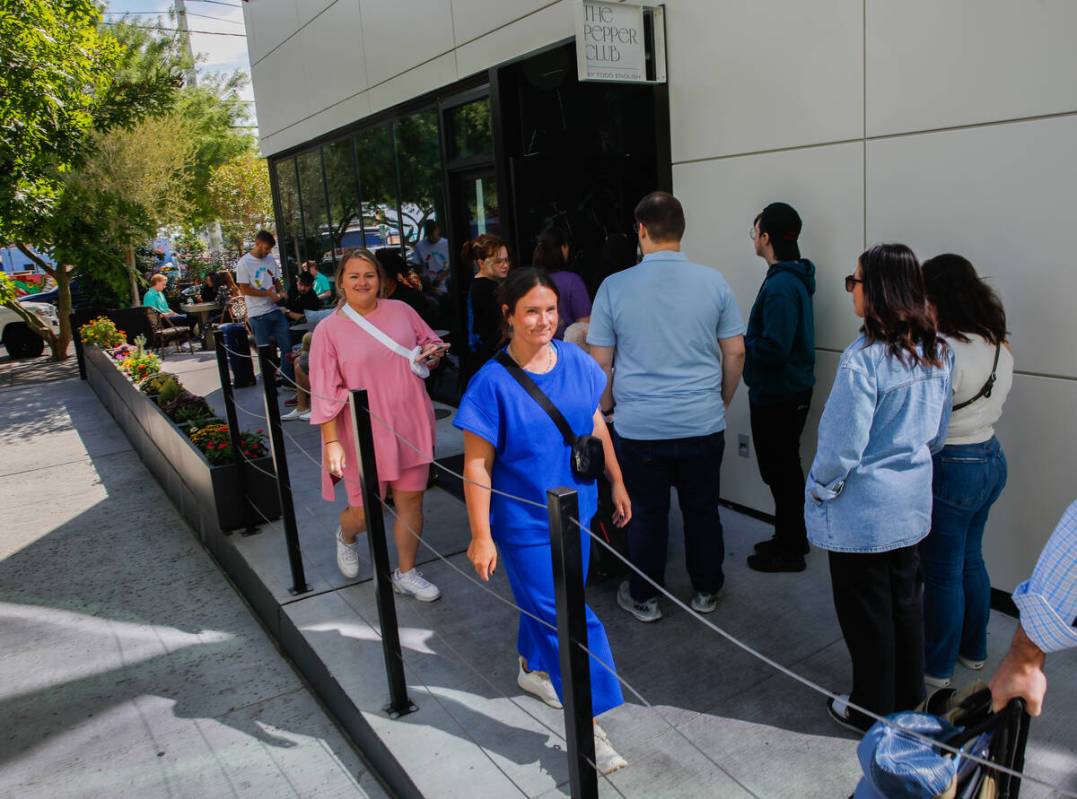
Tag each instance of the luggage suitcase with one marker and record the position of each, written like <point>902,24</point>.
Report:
<point>239,348</point>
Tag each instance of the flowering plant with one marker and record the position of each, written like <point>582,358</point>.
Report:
<point>140,364</point>
<point>101,332</point>
<point>122,352</point>
<point>214,442</point>
<point>187,407</point>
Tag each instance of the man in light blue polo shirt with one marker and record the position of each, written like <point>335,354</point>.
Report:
<point>671,339</point>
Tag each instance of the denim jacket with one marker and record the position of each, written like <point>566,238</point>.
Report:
<point>869,489</point>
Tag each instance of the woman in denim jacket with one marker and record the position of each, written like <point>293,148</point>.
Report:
<point>970,471</point>
<point>868,495</point>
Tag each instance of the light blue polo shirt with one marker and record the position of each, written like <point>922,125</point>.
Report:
<point>664,317</point>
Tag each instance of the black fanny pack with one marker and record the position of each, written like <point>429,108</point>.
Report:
<point>588,460</point>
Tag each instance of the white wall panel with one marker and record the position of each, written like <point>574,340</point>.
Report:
<point>400,35</point>
<point>421,79</point>
<point>746,76</point>
<point>824,184</point>
<point>473,18</point>
<point>1040,440</point>
<point>273,22</point>
<point>291,88</point>
<point>269,102</point>
<point>937,64</point>
<point>306,10</point>
<point>1002,196</point>
<point>547,26</point>
<point>333,52</point>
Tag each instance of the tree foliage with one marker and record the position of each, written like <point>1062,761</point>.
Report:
<point>241,198</point>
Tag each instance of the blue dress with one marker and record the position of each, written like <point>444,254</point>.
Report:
<point>531,457</point>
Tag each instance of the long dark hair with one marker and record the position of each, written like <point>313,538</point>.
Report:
<point>515,286</point>
<point>895,305</point>
<point>547,254</point>
<point>963,302</point>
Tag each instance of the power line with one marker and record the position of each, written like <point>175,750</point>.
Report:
<point>219,3</point>
<point>177,30</point>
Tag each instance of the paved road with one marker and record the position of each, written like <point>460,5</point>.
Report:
<point>128,664</point>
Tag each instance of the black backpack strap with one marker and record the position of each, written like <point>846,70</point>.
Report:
<point>986,389</point>
<point>537,394</point>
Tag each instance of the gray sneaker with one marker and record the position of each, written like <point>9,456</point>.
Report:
<point>643,611</point>
<point>702,602</point>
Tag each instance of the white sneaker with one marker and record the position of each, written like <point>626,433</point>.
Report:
<point>538,683</point>
<point>703,602</point>
<point>304,416</point>
<point>293,415</point>
<point>975,665</point>
<point>606,758</point>
<point>412,583</point>
<point>936,682</point>
<point>347,557</point>
<point>644,611</point>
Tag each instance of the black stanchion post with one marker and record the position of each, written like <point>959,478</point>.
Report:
<point>563,506</point>
<point>233,434</point>
<point>399,703</point>
<point>280,464</point>
<point>80,356</point>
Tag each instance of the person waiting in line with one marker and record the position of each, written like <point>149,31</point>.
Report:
<point>657,330</point>
<point>552,253</point>
<point>383,346</point>
<point>1047,602</point>
<point>323,288</point>
<point>301,411</point>
<point>779,370</point>
<point>155,298</point>
<point>490,255</point>
<point>868,494</point>
<point>512,445</point>
<point>431,257</point>
<point>258,277</point>
<point>969,472</point>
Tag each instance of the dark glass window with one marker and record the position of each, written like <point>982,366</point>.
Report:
<point>289,244</point>
<point>377,171</point>
<point>317,237</point>
<point>471,132</point>
<point>418,155</point>
<point>343,183</point>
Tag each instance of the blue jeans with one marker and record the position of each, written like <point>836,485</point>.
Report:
<point>275,325</point>
<point>651,469</point>
<point>967,480</point>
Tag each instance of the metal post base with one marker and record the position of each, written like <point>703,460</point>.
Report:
<point>394,713</point>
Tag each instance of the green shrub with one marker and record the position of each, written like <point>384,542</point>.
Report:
<point>187,407</point>
<point>170,390</point>
<point>154,383</point>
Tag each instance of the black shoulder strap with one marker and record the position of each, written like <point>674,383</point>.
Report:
<point>985,390</point>
<point>529,385</point>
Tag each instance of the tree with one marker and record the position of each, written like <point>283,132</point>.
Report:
<point>242,200</point>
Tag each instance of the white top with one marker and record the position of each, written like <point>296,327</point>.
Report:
<point>435,257</point>
<point>975,423</point>
<point>258,273</point>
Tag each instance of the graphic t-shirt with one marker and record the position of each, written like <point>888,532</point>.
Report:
<point>435,259</point>
<point>259,273</point>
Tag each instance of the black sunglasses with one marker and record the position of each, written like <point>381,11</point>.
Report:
<point>850,282</point>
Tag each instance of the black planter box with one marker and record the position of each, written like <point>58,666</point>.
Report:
<point>211,498</point>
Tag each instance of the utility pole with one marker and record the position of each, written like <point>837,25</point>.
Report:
<point>181,23</point>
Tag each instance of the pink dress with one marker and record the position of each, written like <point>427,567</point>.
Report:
<point>344,357</point>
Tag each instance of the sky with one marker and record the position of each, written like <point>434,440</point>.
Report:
<point>220,53</point>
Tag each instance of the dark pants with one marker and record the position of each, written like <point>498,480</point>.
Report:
<point>776,430</point>
<point>693,467</point>
<point>877,598</point>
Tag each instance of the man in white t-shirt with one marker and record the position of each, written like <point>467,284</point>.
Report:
<point>432,254</point>
<point>258,277</point>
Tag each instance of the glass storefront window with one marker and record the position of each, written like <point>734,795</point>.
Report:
<point>289,244</point>
<point>377,173</point>
<point>471,131</point>
<point>316,234</point>
<point>342,182</point>
<point>418,155</point>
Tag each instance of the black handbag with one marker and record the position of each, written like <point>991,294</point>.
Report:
<point>588,460</point>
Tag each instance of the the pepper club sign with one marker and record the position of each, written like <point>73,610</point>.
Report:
<point>620,42</point>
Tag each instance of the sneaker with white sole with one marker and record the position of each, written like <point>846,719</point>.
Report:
<point>607,760</point>
<point>304,416</point>
<point>412,583</point>
<point>293,415</point>
<point>703,602</point>
<point>936,682</point>
<point>643,611</point>
<point>968,663</point>
<point>347,557</point>
<point>538,684</point>
<point>842,715</point>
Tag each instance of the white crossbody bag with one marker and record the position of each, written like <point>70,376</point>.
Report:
<point>411,356</point>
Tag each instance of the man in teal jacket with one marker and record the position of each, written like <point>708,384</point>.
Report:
<point>780,373</point>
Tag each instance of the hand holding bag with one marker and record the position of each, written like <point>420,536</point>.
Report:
<point>588,460</point>
<point>411,356</point>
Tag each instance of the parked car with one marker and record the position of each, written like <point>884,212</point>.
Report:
<point>52,296</point>
<point>17,337</point>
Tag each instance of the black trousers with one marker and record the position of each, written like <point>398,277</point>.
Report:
<point>776,430</point>
<point>693,466</point>
<point>880,610</point>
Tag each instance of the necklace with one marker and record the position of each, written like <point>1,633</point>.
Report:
<point>549,359</point>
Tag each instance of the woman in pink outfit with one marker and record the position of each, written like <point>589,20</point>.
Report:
<point>345,356</point>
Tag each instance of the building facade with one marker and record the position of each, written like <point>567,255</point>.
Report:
<point>951,127</point>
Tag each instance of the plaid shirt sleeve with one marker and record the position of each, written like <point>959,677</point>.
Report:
<point>1048,600</point>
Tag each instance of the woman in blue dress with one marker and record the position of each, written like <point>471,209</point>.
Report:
<point>511,443</point>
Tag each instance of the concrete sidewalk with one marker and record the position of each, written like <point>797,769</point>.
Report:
<point>128,664</point>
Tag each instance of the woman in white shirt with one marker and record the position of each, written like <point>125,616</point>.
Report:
<point>969,472</point>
